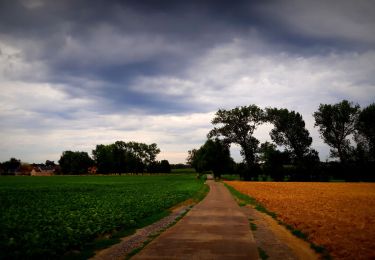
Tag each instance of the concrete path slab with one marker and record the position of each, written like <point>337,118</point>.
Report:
<point>216,228</point>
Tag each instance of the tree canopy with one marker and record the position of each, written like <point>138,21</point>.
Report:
<point>75,162</point>
<point>366,128</point>
<point>290,131</point>
<point>336,123</point>
<point>213,156</point>
<point>237,126</point>
<point>11,166</point>
<point>122,157</point>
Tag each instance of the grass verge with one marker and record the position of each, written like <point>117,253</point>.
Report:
<point>201,194</point>
<point>262,254</point>
<point>253,226</point>
<point>243,200</point>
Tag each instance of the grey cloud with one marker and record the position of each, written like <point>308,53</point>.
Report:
<point>333,23</point>
<point>95,64</point>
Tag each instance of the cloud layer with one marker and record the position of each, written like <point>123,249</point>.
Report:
<point>74,74</point>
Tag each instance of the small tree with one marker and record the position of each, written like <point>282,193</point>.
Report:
<point>213,156</point>
<point>273,160</point>
<point>165,167</point>
<point>336,123</point>
<point>75,162</point>
<point>11,166</point>
<point>159,167</point>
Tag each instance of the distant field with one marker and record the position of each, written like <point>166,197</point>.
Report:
<point>46,216</point>
<point>184,170</point>
<point>338,216</point>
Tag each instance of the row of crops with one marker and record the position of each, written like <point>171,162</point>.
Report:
<point>47,216</point>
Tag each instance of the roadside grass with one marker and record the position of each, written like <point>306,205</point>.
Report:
<point>262,254</point>
<point>243,200</point>
<point>230,177</point>
<point>183,171</point>
<point>201,194</point>
<point>253,227</point>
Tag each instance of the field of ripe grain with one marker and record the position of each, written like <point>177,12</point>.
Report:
<point>338,216</point>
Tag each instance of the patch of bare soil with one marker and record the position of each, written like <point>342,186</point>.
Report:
<point>275,240</point>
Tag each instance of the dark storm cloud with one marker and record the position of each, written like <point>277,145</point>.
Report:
<point>117,41</point>
<point>91,71</point>
<point>334,25</point>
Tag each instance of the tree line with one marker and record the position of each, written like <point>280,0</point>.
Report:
<point>345,127</point>
<point>119,157</point>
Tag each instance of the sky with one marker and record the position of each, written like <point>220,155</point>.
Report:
<point>74,74</point>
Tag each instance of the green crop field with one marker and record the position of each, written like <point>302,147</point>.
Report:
<point>48,216</point>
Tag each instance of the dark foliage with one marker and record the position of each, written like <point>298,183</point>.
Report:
<point>290,131</point>
<point>75,162</point>
<point>180,166</point>
<point>122,157</point>
<point>10,167</point>
<point>366,133</point>
<point>237,126</point>
<point>336,123</point>
<point>213,156</point>
<point>273,161</point>
<point>159,167</point>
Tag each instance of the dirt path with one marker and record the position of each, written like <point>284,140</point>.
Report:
<point>216,228</point>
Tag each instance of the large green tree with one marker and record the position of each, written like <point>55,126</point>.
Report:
<point>290,131</point>
<point>237,126</point>
<point>366,129</point>
<point>336,123</point>
<point>213,156</point>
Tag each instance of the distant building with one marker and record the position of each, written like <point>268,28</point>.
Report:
<point>42,170</point>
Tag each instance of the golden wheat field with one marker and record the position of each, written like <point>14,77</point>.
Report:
<point>338,216</point>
